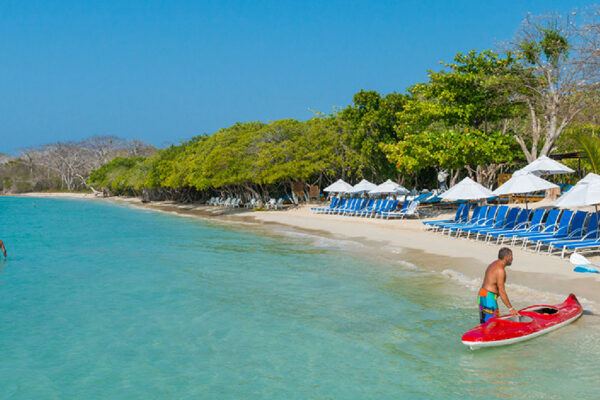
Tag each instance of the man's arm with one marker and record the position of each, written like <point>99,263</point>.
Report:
<point>2,248</point>
<point>501,277</point>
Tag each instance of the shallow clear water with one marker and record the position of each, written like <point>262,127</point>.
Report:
<point>99,301</point>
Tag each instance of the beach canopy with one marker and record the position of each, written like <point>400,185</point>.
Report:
<point>363,187</point>
<point>585,193</point>
<point>467,189</point>
<point>546,166</point>
<point>338,186</point>
<point>523,182</point>
<point>590,178</point>
<point>389,187</point>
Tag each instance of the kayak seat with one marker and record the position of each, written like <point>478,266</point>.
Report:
<point>544,310</point>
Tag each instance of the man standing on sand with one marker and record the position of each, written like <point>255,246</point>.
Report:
<point>493,284</point>
<point>3,248</point>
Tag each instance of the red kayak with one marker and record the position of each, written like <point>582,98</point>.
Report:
<point>531,322</point>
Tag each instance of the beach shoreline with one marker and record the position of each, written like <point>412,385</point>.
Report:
<point>532,276</point>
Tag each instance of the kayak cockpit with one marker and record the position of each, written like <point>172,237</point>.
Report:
<point>517,318</point>
<point>543,310</point>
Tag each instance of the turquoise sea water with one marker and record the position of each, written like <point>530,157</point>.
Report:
<point>99,301</point>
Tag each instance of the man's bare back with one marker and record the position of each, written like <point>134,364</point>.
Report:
<point>493,274</point>
<point>495,278</point>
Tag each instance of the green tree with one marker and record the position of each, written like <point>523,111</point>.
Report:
<point>470,92</point>
<point>558,78</point>
<point>452,150</point>
<point>458,119</point>
<point>372,119</point>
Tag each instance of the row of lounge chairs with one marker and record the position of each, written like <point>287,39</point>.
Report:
<point>237,202</point>
<point>232,202</point>
<point>274,204</point>
<point>554,229</point>
<point>370,208</point>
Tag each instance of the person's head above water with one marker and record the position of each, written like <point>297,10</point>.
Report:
<point>505,254</point>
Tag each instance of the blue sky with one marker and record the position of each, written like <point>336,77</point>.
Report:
<point>164,71</point>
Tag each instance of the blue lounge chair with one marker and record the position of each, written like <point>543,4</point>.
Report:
<point>332,204</point>
<point>349,204</point>
<point>359,204</point>
<point>412,209</point>
<point>464,219</point>
<point>496,223</point>
<point>479,221</point>
<point>422,197</point>
<point>431,199</point>
<point>501,224</point>
<point>561,230</point>
<point>535,225</point>
<point>575,231</point>
<point>589,245</point>
<point>546,227</point>
<point>381,206</point>
<point>459,217</point>
<point>521,223</point>
<point>408,208</point>
<point>393,210</point>
<point>494,214</point>
<point>371,206</point>
<point>368,205</point>
<point>388,208</point>
<point>339,204</point>
<point>589,239</point>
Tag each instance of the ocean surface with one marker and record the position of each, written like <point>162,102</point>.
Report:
<point>104,301</point>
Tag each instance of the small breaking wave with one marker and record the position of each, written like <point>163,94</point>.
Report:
<point>322,241</point>
<point>520,292</point>
<point>409,265</point>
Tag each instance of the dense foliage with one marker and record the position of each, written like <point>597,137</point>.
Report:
<point>253,157</point>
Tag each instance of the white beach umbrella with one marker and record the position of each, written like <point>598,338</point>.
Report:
<point>338,186</point>
<point>523,182</point>
<point>585,193</point>
<point>546,166</point>
<point>590,178</point>
<point>467,189</point>
<point>389,187</point>
<point>580,195</point>
<point>363,186</point>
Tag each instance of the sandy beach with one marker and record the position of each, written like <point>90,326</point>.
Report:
<point>532,276</point>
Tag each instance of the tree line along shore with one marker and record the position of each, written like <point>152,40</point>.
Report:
<point>483,113</point>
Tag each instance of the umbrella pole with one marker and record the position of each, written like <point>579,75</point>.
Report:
<point>597,218</point>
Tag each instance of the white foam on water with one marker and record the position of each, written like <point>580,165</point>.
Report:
<point>471,283</point>
<point>321,241</point>
<point>523,293</point>
<point>409,265</point>
<point>395,250</point>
